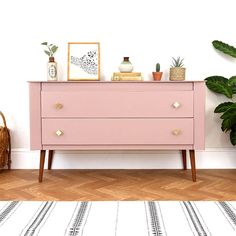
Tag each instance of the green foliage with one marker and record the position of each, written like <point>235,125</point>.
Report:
<point>158,67</point>
<point>51,49</point>
<point>219,84</point>
<point>227,87</point>
<point>225,48</point>
<point>223,107</point>
<point>232,83</point>
<point>47,52</point>
<point>177,62</point>
<point>233,137</point>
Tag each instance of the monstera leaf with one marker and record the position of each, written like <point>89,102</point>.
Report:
<point>219,84</point>
<point>225,48</point>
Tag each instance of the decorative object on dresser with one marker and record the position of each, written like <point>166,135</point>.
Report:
<point>126,65</point>
<point>227,87</point>
<point>84,61</point>
<point>129,76</point>
<point>5,144</point>
<point>52,65</point>
<point>110,116</point>
<point>157,75</point>
<point>177,71</point>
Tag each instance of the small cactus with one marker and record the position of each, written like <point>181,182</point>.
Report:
<point>158,67</point>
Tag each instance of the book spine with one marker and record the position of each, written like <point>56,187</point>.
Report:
<point>125,78</point>
<point>127,74</point>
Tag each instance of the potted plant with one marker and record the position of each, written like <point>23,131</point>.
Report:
<point>157,75</point>
<point>177,71</point>
<point>227,87</point>
<point>52,65</point>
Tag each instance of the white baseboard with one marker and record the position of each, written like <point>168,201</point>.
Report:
<point>211,158</point>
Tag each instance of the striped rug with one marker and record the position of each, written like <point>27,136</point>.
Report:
<point>111,218</point>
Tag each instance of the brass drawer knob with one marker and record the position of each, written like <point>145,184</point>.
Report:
<point>176,105</point>
<point>58,106</point>
<point>176,132</point>
<point>59,133</point>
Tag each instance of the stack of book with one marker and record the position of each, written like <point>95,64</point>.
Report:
<point>126,76</point>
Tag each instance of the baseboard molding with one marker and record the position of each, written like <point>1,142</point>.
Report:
<point>211,158</point>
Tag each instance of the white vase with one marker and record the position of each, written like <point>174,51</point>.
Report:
<point>126,65</point>
<point>52,70</point>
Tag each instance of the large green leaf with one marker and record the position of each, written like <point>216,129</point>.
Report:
<point>44,43</point>
<point>233,137</point>
<point>219,84</point>
<point>232,83</point>
<point>223,107</point>
<point>230,113</point>
<point>225,48</point>
<point>226,125</point>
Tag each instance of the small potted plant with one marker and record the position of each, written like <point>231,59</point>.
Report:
<point>177,71</point>
<point>157,75</point>
<point>52,65</point>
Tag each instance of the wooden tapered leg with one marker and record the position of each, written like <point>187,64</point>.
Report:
<point>193,166</point>
<point>41,165</point>
<point>50,157</point>
<point>184,159</point>
<point>9,152</point>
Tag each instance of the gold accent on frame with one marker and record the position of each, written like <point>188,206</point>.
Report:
<point>82,72</point>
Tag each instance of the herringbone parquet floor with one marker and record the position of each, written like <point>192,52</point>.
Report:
<point>118,185</point>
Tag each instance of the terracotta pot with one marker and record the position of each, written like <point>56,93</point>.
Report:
<point>177,73</point>
<point>157,75</point>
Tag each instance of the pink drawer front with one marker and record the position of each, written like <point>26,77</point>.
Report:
<point>118,103</point>
<point>117,131</point>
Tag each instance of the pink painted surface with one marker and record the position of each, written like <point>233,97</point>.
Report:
<point>117,131</point>
<point>119,147</point>
<point>126,103</point>
<point>35,116</point>
<point>144,125</point>
<point>116,86</point>
<point>199,116</point>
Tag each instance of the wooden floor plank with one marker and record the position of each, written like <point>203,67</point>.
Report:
<point>101,185</point>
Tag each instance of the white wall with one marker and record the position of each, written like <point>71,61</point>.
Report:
<point>147,31</point>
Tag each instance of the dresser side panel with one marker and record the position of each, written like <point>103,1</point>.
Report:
<point>35,116</point>
<point>199,116</point>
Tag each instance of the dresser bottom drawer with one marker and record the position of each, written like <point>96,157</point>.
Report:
<point>117,131</point>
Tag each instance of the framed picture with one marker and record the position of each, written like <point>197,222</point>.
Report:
<point>83,61</point>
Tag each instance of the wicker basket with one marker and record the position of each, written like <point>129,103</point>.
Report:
<point>177,73</point>
<point>5,144</point>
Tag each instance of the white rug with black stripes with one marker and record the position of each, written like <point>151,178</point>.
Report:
<point>124,218</point>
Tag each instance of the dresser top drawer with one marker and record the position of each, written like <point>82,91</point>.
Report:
<point>130,103</point>
<point>117,86</point>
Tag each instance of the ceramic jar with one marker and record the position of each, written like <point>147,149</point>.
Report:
<point>126,65</point>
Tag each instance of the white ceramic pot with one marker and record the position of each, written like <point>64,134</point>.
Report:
<point>126,65</point>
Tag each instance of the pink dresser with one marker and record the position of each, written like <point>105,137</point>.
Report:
<point>117,116</point>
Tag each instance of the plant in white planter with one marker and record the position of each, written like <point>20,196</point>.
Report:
<point>177,71</point>
<point>52,65</point>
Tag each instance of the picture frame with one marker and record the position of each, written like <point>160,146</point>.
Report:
<point>83,61</point>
